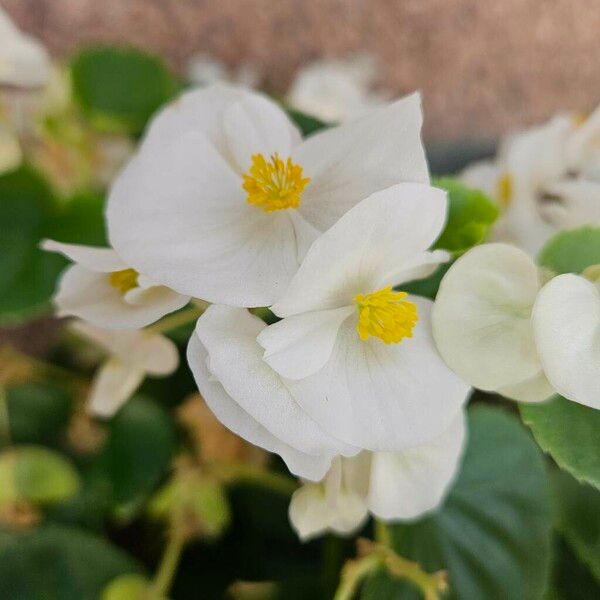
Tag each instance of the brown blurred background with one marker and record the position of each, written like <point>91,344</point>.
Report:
<point>484,66</point>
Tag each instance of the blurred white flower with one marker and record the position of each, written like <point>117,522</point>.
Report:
<point>544,180</point>
<point>24,62</point>
<point>203,69</point>
<point>132,355</point>
<point>226,198</point>
<point>390,486</point>
<point>357,356</point>
<point>482,322</point>
<point>10,151</point>
<point>566,323</point>
<point>335,90</point>
<point>103,290</point>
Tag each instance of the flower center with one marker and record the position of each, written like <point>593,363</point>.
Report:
<point>504,190</point>
<point>124,280</point>
<point>385,314</point>
<point>274,184</point>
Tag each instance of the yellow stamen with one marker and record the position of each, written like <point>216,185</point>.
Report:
<point>124,280</point>
<point>504,190</point>
<point>274,184</point>
<point>578,119</point>
<point>386,315</point>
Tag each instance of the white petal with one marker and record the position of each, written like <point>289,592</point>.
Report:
<point>534,389</point>
<point>348,163</point>
<point>579,203</point>
<point>233,416</point>
<point>407,484</point>
<point>90,296</point>
<point>235,359</point>
<point>483,175</point>
<point>255,125</point>
<point>311,515</point>
<point>300,345</point>
<point>566,321</point>
<point>139,350</point>
<point>194,231</point>
<point>388,233</point>
<point>383,397</point>
<point>101,260</point>
<point>481,317</point>
<point>113,385</point>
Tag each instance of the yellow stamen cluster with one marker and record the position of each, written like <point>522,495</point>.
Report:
<point>274,184</point>
<point>504,190</point>
<point>124,280</point>
<point>385,314</point>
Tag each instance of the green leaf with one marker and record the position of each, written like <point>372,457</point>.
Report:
<point>428,287</point>
<point>37,475</point>
<point>578,518</point>
<point>38,413</point>
<point>493,532</point>
<point>572,251</point>
<point>58,563</point>
<point>120,88</point>
<point>128,587</point>
<point>570,433</point>
<point>27,274</point>
<point>470,215</point>
<point>306,123</point>
<point>137,453</point>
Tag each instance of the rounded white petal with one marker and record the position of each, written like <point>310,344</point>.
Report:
<point>483,175</point>
<point>101,260</point>
<point>482,317</point>
<point>383,397</point>
<point>233,416</point>
<point>235,359</point>
<point>300,345</point>
<point>113,385</point>
<point>194,231</point>
<point>386,235</point>
<point>256,125</point>
<point>533,389</point>
<point>578,204</point>
<point>90,296</point>
<point>566,321</point>
<point>407,484</point>
<point>349,162</point>
<point>138,350</point>
<point>24,62</point>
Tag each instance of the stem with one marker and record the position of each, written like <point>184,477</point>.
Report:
<point>353,574</point>
<point>168,563</point>
<point>382,533</point>
<point>180,318</point>
<point>4,418</point>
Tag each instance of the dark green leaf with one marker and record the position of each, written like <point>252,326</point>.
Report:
<point>429,286</point>
<point>120,88</point>
<point>306,123</point>
<point>493,532</point>
<point>572,251</point>
<point>470,215</point>
<point>570,433</point>
<point>58,563</point>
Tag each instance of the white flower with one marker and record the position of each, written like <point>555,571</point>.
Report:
<point>203,69</point>
<point>336,89</point>
<point>358,357</point>
<point>390,486</point>
<point>24,62</point>
<point>103,290</point>
<point>224,198</point>
<point>251,399</point>
<point>482,322</point>
<point>131,356</point>
<point>10,151</point>
<point>544,179</point>
<point>566,322</point>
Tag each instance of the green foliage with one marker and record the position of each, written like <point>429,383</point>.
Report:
<point>58,563</point>
<point>578,518</point>
<point>572,251</point>
<point>127,587</point>
<point>470,215</point>
<point>37,475</point>
<point>569,433</point>
<point>493,532</point>
<point>306,123</point>
<point>27,274</point>
<point>428,287</point>
<point>120,88</point>
<point>136,454</point>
